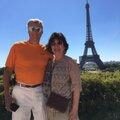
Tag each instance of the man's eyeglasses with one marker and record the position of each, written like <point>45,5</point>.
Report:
<point>57,43</point>
<point>33,29</point>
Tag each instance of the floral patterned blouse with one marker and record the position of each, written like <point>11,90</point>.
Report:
<point>62,77</point>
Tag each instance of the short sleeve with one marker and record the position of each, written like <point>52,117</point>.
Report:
<point>75,76</point>
<point>10,62</point>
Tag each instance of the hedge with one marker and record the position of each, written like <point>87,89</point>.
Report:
<point>100,97</point>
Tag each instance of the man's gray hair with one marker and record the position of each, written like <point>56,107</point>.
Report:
<point>35,20</point>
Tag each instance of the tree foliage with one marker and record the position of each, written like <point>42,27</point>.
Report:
<point>1,70</point>
<point>112,66</point>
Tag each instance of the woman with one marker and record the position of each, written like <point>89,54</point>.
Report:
<point>65,79</point>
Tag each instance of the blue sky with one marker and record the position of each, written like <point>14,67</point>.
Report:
<point>66,16</point>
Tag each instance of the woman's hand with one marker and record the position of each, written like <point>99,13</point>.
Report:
<point>73,115</point>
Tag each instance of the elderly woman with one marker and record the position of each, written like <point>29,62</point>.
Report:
<point>65,79</point>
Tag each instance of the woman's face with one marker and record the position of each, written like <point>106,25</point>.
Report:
<point>58,47</point>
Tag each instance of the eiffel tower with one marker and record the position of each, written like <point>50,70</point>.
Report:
<point>90,44</point>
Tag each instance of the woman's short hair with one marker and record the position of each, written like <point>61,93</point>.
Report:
<point>59,36</point>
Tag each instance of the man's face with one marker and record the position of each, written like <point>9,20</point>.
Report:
<point>35,30</point>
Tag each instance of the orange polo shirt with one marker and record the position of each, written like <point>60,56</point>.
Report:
<point>28,61</point>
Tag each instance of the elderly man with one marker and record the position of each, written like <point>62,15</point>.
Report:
<point>27,59</point>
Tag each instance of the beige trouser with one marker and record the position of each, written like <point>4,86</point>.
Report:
<point>56,115</point>
<point>29,99</point>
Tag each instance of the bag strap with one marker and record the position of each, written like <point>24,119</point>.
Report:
<point>51,69</point>
<point>48,73</point>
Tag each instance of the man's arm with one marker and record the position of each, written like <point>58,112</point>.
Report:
<point>6,78</point>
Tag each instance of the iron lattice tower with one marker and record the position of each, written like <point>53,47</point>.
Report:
<point>90,44</point>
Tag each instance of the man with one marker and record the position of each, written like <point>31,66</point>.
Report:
<point>27,60</point>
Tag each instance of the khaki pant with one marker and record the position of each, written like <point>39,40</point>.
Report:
<point>56,115</point>
<point>29,99</point>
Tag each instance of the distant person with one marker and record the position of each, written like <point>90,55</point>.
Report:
<point>65,80</point>
<point>27,59</point>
